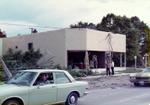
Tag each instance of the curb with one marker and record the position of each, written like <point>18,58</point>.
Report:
<point>94,77</point>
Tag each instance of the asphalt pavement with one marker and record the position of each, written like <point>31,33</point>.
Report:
<point>117,96</point>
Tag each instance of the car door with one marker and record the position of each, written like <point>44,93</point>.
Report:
<point>40,94</point>
<point>64,86</point>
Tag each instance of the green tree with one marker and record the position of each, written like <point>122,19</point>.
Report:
<point>18,60</point>
<point>133,28</point>
<point>147,44</point>
<point>84,25</point>
<point>31,57</point>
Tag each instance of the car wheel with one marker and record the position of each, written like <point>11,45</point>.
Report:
<point>12,102</point>
<point>136,84</point>
<point>72,99</point>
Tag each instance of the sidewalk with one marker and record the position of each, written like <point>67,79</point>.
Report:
<point>100,75</point>
<point>103,70</point>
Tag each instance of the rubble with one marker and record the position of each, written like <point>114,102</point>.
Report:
<point>112,82</point>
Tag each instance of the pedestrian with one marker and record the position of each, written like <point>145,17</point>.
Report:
<point>112,67</point>
<point>91,64</point>
<point>107,68</point>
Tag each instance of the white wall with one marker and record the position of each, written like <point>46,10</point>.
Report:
<point>75,39</point>
<point>97,40</point>
<point>51,44</point>
<point>56,43</point>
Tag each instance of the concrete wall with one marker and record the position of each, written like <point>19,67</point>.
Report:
<point>97,40</point>
<point>51,44</point>
<point>1,46</point>
<point>56,43</point>
<point>75,39</point>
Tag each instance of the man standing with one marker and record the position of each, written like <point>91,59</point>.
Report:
<point>112,67</point>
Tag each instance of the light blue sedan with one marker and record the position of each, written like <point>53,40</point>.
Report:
<point>42,87</point>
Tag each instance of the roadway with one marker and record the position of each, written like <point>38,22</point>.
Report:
<point>117,96</point>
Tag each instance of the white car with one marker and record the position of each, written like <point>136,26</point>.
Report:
<point>42,87</point>
<point>142,78</point>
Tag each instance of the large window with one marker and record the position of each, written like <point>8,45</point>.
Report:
<point>22,78</point>
<point>61,78</point>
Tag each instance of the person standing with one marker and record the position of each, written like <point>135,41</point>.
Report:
<point>112,67</point>
<point>107,68</point>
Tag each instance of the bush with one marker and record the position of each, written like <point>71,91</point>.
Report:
<point>17,60</point>
<point>1,76</point>
<point>80,73</point>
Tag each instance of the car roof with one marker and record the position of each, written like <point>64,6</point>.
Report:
<point>44,70</point>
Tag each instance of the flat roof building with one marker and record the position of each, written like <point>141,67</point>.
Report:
<point>71,47</point>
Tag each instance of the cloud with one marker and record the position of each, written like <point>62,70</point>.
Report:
<point>62,13</point>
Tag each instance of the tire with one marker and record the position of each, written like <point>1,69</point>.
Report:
<point>72,99</point>
<point>11,102</point>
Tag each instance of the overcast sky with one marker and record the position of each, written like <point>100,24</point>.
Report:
<point>62,13</point>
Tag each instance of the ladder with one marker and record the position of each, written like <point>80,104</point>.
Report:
<point>5,68</point>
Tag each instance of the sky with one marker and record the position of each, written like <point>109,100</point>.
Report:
<point>57,14</point>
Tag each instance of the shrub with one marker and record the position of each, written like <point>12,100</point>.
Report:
<point>1,76</point>
<point>80,73</point>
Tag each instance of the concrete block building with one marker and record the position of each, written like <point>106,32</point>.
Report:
<point>70,47</point>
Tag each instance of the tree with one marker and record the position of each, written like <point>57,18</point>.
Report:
<point>147,44</point>
<point>2,34</point>
<point>133,28</point>
<point>18,60</point>
<point>13,59</point>
<point>31,57</point>
<point>132,46</point>
<point>84,25</point>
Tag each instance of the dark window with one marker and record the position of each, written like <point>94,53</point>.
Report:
<point>30,46</point>
<point>44,79</point>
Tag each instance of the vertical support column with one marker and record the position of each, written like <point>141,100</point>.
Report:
<point>66,59</point>
<point>120,59</point>
<point>86,60</point>
<point>125,61</point>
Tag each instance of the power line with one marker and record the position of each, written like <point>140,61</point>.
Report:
<point>24,25</point>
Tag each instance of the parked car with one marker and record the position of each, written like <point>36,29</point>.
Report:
<point>142,78</point>
<point>42,87</point>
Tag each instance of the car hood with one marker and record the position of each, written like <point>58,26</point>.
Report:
<point>10,89</point>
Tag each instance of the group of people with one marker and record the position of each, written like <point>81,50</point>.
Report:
<point>110,68</point>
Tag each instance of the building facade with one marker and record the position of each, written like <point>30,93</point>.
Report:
<point>1,46</point>
<point>71,47</point>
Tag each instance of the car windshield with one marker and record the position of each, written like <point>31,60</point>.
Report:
<point>146,70</point>
<point>22,78</point>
